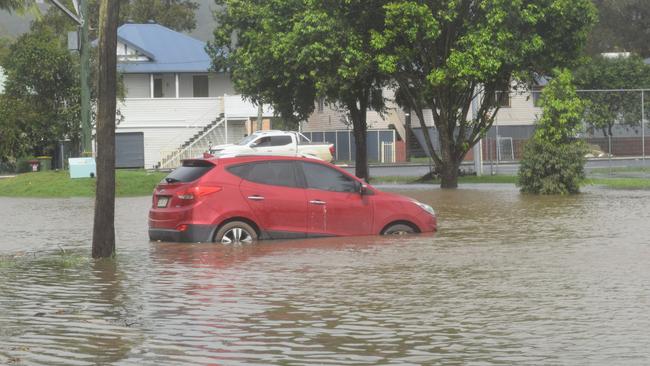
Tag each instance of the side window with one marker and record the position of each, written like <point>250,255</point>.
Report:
<point>280,140</point>
<point>321,177</point>
<point>275,173</point>
<point>262,142</point>
<point>240,170</point>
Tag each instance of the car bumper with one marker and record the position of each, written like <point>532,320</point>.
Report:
<point>430,224</point>
<point>193,234</point>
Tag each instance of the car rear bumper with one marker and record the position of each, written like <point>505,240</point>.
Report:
<point>193,234</point>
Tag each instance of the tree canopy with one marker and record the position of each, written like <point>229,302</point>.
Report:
<point>290,52</point>
<point>179,15</point>
<point>41,101</point>
<point>15,4</point>
<point>623,25</point>
<point>606,108</point>
<point>444,55</point>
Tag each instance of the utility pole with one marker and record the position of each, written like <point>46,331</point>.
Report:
<point>81,18</point>
<point>84,76</point>
<point>104,223</point>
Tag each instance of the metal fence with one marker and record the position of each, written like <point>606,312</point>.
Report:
<point>614,125</point>
<point>380,144</point>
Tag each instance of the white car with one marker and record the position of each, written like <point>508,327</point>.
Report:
<point>274,142</point>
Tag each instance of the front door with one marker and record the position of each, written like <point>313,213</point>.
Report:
<point>335,205</point>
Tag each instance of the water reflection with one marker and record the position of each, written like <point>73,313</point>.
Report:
<point>509,279</point>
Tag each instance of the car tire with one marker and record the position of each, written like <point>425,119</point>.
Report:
<point>398,229</point>
<point>236,232</point>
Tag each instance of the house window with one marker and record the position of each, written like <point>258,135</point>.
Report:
<point>200,86</point>
<point>503,99</point>
<point>321,104</point>
<point>157,87</point>
<point>537,95</point>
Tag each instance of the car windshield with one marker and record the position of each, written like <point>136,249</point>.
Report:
<point>303,140</point>
<point>247,139</point>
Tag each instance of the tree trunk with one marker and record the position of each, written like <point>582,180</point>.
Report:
<point>360,131</point>
<point>361,162</point>
<point>449,165</point>
<point>449,174</point>
<point>104,224</point>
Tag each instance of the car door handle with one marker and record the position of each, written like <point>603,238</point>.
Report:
<point>317,202</point>
<point>256,198</point>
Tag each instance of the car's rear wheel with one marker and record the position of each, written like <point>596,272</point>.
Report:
<point>236,232</point>
<point>399,229</point>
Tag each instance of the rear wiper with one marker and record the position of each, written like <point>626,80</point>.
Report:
<point>171,180</point>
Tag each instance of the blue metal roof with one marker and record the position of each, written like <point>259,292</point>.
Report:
<point>169,51</point>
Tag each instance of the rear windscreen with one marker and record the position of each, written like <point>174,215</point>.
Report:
<point>190,171</point>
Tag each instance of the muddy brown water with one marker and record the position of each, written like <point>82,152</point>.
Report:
<point>509,279</point>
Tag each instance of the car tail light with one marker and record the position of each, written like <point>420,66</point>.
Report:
<point>332,150</point>
<point>197,192</point>
<point>182,227</point>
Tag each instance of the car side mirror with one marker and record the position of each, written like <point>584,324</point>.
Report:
<point>363,189</point>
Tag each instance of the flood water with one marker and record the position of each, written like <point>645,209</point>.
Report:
<point>509,279</point>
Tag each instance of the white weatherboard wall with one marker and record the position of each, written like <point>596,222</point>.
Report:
<point>137,85</point>
<point>167,123</point>
<point>521,111</point>
<point>237,107</point>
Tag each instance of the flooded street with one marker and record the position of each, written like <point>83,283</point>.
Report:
<point>508,279</point>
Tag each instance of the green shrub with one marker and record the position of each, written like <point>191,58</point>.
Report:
<point>548,168</point>
<point>553,161</point>
<point>22,165</point>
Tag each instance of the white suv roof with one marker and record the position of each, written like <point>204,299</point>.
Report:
<point>271,132</point>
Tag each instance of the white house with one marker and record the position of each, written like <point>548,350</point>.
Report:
<point>515,120</point>
<point>174,105</point>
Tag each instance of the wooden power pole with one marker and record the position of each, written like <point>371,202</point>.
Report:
<point>104,224</point>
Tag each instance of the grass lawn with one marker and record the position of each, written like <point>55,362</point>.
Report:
<point>620,183</point>
<point>59,184</point>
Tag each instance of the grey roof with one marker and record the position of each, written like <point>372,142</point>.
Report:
<point>168,50</point>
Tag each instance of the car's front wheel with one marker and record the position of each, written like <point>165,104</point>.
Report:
<point>236,232</point>
<point>398,229</point>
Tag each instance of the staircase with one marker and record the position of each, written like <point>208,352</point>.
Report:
<point>212,134</point>
<point>414,148</point>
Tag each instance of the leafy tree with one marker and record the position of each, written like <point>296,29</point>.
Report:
<point>607,108</point>
<point>290,52</point>
<point>623,25</point>
<point>445,54</point>
<point>41,101</point>
<point>553,160</point>
<point>175,14</point>
<point>5,43</point>
<point>179,15</point>
<point>11,5</point>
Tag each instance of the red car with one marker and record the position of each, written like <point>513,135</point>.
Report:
<point>245,198</point>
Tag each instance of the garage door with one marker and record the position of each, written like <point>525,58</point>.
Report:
<point>129,150</point>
